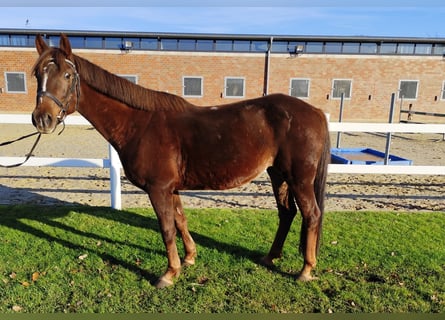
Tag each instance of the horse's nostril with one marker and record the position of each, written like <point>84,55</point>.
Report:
<point>47,119</point>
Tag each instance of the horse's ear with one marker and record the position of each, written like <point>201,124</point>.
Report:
<point>41,45</point>
<point>65,45</point>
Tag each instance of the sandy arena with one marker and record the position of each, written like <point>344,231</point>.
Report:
<point>84,186</point>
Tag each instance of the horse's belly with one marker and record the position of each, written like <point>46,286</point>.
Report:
<point>227,175</point>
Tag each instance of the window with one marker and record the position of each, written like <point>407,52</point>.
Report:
<point>224,45</point>
<point>405,48</point>
<point>333,47</point>
<point>259,46</point>
<point>279,46</point>
<point>351,47</point>
<point>187,44</point>
<point>388,48</point>
<point>77,42</point>
<point>241,45</point>
<point>314,47</point>
<point>204,45</point>
<point>93,42</point>
<point>129,77</point>
<point>439,49</point>
<point>299,88</point>
<point>4,40</point>
<point>192,86</point>
<point>234,87</point>
<point>169,44</point>
<point>19,41</point>
<point>113,43</point>
<point>368,48</point>
<point>408,89</point>
<point>423,48</point>
<point>149,44</point>
<point>15,82</point>
<point>340,86</point>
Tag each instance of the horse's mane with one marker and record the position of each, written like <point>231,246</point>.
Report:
<point>117,87</point>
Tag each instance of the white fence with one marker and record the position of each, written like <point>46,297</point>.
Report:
<point>114,164</point>
<point>385,128</point>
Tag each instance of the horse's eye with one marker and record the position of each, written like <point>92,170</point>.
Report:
<point>67,76</point>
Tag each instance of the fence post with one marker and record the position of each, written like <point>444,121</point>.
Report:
<point>340,117</point>
<point>115,178</point>
<point>389,134</point>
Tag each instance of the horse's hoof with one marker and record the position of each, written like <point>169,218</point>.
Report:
<point>267,262</point>
<point>188,263</point>
<point>163,283</point>
<point>306,278</point>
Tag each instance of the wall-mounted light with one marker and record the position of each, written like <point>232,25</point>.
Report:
<point>127,46</point>
<point>299,49</point>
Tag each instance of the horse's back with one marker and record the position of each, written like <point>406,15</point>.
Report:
<point>226,146</point>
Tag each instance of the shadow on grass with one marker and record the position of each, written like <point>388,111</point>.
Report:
<point>48,216</point>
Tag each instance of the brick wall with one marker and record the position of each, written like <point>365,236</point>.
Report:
<point>374,78</point>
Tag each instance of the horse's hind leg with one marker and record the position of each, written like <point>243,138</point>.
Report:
<point>163,204</point>
<point>181,225</point>
<point>310,228</point>
<point>286,213</point>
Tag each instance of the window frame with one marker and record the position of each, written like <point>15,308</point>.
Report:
<point>94,42</point>
<point>405,48</point>
<point>423,49</point>
<point>400,89</point>
<point>308,87</point>
<point>184,78</point>
<point>351,48</point>
<point>388,48</point>
<point>25,90</point>
<point>333,47</point>
<point>369,48</point>
<point>314,47</point>
<point>226,79</point>
<point>347,97</point>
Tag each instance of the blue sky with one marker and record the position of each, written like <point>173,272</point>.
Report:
<point>408,18</point>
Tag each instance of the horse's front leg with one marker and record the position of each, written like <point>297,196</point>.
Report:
<point>163,204</point>
<point>181,225</point>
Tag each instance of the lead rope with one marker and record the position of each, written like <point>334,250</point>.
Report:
<point>30,152</point>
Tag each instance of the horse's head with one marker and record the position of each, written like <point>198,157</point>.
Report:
<point>58,87</point>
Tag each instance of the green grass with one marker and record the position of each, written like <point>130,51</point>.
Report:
<point>84,259</point>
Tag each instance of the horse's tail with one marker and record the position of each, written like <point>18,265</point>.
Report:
<point>320,181</point>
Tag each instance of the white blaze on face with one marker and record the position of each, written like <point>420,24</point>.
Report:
<point>45,79</point>
<point>45,75</point>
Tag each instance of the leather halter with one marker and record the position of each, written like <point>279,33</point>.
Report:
<point>75,86</point>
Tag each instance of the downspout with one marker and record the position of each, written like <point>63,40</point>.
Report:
<point>267,69</point>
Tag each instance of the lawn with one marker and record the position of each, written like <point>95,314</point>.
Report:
<point>86,259</point>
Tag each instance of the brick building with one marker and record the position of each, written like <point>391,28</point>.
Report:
<point>209,69</point>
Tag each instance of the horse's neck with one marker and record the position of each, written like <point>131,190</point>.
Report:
<point>109,117</point>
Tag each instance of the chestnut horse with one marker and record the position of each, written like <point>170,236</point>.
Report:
<point>167,144</point>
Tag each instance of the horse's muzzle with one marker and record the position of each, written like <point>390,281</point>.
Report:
<point>44,122</point>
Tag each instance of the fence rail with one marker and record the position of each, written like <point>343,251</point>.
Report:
<point>113,162</point>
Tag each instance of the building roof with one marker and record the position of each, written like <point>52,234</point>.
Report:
<point>214,42</point>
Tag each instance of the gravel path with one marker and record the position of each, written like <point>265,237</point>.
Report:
<point>65,186</point>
